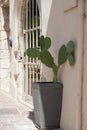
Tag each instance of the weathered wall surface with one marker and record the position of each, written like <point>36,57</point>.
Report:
<point>4,49</point>
<point>16,35</point>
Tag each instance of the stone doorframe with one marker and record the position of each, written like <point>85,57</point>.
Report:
<point>5,9</point>
<point>21,39</point>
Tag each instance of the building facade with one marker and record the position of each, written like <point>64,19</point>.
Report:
<point>21,24</point>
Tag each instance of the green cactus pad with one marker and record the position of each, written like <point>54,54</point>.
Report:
<point>45,43</point>
<point>71,59</point>
<point>46,58</point>
<point>62,56</point>
<point>70,47</point>
<point>32,52</point>
<point>41,40</point>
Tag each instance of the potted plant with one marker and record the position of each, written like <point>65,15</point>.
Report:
<point>47,96</point>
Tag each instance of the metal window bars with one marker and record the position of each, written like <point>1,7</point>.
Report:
<point>31,36</point>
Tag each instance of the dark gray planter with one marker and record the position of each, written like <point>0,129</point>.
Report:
<point>47,99</point>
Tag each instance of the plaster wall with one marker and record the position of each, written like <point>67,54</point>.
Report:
<point>85,76</point>
<point>63,24</point>
<point>45,12</point>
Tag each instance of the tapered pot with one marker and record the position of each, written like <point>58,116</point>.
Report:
<point>47,99</point>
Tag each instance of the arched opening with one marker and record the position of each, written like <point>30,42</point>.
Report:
<point>31,35</point>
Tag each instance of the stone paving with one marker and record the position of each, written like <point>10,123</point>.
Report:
<point>14,115</point>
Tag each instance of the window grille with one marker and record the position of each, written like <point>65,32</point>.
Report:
<point>31,36</point>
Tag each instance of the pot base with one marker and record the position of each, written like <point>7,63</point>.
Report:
<point>47,128</point>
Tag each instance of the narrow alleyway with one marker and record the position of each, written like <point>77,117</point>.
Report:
<point>14,115</point>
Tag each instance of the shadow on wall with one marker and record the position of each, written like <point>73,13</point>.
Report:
<point>5,11</point>
<point>31,116</point>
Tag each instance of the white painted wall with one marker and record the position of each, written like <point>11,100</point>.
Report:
<point>14,18</point>
<point>62,27</point>
<point>85,76</point>
<point>45,13</point>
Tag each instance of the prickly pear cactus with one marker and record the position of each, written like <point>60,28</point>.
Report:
<point>65,53</point>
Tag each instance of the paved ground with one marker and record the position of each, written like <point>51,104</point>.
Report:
<point>14,115</point>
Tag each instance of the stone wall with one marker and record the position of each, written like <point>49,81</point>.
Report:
<point>4,49</point>
<point>4,3</point>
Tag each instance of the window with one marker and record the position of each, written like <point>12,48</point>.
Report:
<point>31,36</point>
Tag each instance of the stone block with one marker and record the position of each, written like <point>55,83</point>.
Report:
<point>4,54</point>
<point>4,64</point>
<point>3,45</point>
<point>4,73</point>
<point>3,35</point>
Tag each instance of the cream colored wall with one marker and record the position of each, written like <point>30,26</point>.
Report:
<point>62,27</point>
<point>45,12</point>
<point>85,76</point>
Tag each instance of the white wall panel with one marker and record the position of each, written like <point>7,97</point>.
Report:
<point>68,4</point>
